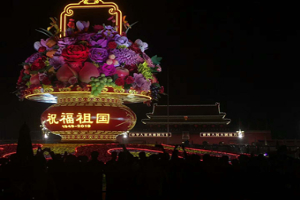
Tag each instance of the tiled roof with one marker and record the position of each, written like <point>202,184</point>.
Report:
<point>186,110</point>
<point>187,114</point>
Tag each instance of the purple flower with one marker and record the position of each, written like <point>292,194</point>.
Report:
<point>116,36</point>
<point>101,42</point>
<point>85,36</point>
<point>97,36</point>
<point>109,27</point>
<point>57,62</point>
<point>32,58</point>
<point>63,42</point>
<point>142,45</point>
<point>98,54</point>
<point>126,56</point>
<point>123,41</point>
<point>82,25</point>
<point>109,32</point>
<point>41,43</point>
<point>108,70</point>
<point>141,82</point>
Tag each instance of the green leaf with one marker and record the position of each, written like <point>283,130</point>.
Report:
<point>127,86</point>
<point>43,32</point>
<point>25,77</point>
<point>154,70</point>
<point>115,77</point>
<point>130,26</point>
<point>156,60</point>
<point>41,70</point>
<point>156,84</point>
<point>24,63</point>
<point>28,84</point>
<point>56,47</point>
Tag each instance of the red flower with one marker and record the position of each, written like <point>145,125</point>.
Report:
<point>134,47</point>
<point>131,68</point>
<point>42,49</point>
<point>78,53</point>
<point>71,24</point>
<point>38,64</point>
<point>21,76</point>
<point>119,82</point>
<point>112,45</point>
<point>129,80</point>
<point>46,81</point>
<point>162,89</point>
<point>98,28</point>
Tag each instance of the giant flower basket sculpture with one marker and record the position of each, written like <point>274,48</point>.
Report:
<point>89,73</point>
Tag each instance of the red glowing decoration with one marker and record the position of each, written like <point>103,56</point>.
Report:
<point>89,119</point>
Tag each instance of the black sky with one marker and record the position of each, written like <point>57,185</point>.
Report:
<point>243,54</point>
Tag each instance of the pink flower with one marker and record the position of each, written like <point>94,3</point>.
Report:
<point>141,82</point>
<point>158,68</point>
<point>108,70</point>
<point>148,60</point>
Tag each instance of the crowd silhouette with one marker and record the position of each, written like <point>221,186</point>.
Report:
<point>159,176</point>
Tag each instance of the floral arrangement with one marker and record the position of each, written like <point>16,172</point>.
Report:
<point>96,59</point>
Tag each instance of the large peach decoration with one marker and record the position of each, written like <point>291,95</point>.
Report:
<point>88,73</point>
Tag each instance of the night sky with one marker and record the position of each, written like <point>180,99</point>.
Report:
<point>243,54</point>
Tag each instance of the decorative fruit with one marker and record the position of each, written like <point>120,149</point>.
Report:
<point>34,79</point>
<point>99,83</point>
<point>112,56</point>
<point>154,79</point>
<point>122,72</point>
<point>65,73</point>
<point>76,66</point>
<point>116,63</point>
<point>26,67</point>
<point>27,71</point>
<point>109,61</point>
<point>89,70</point>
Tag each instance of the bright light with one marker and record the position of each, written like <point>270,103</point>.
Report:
<point>45,136</point>
<point>125,134</point>
<point>240,133</point>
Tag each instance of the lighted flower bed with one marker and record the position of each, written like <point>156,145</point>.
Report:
<point>62,148</point>
<point>201,152</point>
<point>9,149</point>
<point>106,149</point>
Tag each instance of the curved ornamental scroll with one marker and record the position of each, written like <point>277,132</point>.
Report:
<point>86,4</point>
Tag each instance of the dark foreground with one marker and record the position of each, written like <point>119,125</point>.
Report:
<point>158,177</point>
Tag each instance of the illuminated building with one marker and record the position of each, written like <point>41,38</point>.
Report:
<point>195,123</point>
